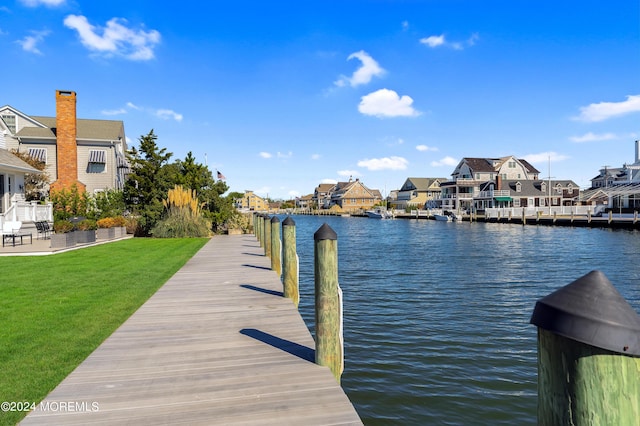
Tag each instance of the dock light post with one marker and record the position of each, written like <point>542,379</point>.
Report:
<point>276,265</point>
<point>588,355</point>
<point>328,302</point>
<point>290,261</point>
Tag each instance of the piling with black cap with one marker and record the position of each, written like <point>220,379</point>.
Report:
<point>290,262</point>
<point>256,226</point>
<point>276,264</point>
<point>328,301</point>
<point>588,355</point>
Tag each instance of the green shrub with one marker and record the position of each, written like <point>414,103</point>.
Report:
<point>87,225</point>
<point>62,226</point>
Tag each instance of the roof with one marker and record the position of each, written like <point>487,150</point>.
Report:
<point>530,187</point>
<point>13,163</point>
<point>486,164</point>
<point>86,129</point>
<point>421,184</point>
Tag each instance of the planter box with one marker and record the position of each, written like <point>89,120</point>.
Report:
<point>67,239</point>
<point>120,231</point>
<point>83,237</point>
<point>106,233</point>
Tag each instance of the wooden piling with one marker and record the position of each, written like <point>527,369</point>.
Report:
<point>276,264</point>
<point>524,218</point>
<point>588,355</point>
<point>267,236</point>
<point>328,301</point>
<point>290,262</point>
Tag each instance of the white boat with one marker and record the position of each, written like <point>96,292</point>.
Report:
<point>379,213</point>
<point>446,216</point>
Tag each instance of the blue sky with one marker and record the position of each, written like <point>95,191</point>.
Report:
<point>281,96</point>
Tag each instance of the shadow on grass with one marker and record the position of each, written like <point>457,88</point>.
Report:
<point>288,346</point>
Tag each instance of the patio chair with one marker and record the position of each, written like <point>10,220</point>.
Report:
<point>11,230</point>
<point>43,229</point>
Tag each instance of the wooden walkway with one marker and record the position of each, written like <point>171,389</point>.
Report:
<point>217,344</point>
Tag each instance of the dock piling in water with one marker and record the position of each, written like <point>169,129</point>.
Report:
<point>328,301</point>
<point>588,355</point>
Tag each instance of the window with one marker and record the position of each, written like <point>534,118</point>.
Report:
<point>10,121</point>
<point>512,164</point>
<point>518,187</point>
<point>97,161</point>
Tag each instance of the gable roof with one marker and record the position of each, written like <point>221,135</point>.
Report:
<point>420,184</point>
<point>8,161</point>
<point>86,129</point>
<point>493,164</point>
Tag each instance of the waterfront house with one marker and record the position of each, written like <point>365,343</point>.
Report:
<point>418,192</point>
<point>354,195</point>
<point>87,153</point>
<point>12,173</point>
<point>528,194</point>
<point>458,193</point>
<point>251,201</point>
<point>322,195</point>
<point>304,202</point>
<point>620,186</point>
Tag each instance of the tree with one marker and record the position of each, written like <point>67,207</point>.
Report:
<point>35,184</point>
<point>149,181</point>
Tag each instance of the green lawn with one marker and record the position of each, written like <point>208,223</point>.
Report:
<point>55,310</point>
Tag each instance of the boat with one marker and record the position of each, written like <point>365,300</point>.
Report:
<point>379,213</point>
<point>446,216</point>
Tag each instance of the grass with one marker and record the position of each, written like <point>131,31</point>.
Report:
<point>55,310</point>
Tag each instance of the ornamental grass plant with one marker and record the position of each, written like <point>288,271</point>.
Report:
<point>183,216</point>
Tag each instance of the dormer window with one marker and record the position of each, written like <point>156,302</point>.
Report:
<point>543,187</point>
<point>518,187</point>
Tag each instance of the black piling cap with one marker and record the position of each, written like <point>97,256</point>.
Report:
<point>325,233</point>
<point>288,222</point>
<point>590,310</point>
<point>275,219</point>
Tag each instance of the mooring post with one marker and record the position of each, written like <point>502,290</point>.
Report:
<point>290,271</point>
<point>262,230</point>
<point>588,355</point>
<point>256,225</point>
<point>524,217</point>
<point>267,236</point>
<point>275,245</point>
<point>328,301</point>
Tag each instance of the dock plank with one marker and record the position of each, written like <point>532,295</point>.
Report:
<point>217,344</point>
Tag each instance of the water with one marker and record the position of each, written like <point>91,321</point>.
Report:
<point>436,314</point>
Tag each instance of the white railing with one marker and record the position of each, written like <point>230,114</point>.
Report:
<point>495,193</point>
<point>27,211</point>
<point>514,212</point>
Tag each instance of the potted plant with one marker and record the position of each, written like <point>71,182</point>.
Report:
<point>120,224</point>
<point>106,229</point>
<point>86,231</point>
<point>63,235</point>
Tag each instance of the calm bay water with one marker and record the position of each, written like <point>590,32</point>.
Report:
<point>436,315</point>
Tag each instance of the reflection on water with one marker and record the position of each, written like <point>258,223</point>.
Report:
<point>437,314</point>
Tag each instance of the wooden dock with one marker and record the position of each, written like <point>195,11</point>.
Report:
<point>217,344</point>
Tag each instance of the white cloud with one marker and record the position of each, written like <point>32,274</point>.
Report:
<point>29,43</point>
<point>132,106</point>
<point>425,148</point>
<point>592,137</point>
<point>265,155</point>
<point>114,111</point>
<point>348,173</point>
<point>328,180</point>
<point>605,110</point>
<point>386,163</point>
<point>446,161</point>
<point>284,155</point>
<point>34,3</point>
<point>293,193</point>
<point>315,156</point>
<point>387,103</point>
<point>116,38</point>
<point>545,157</point>
<point>167,114</point>
<point>433,41</point>
<point>440,40</point>
<point>364,74</point>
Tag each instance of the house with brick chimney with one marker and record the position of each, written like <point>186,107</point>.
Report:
<point>88,153</point>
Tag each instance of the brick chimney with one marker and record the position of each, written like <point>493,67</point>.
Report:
<point>498,183</point>
<point>66,145</point>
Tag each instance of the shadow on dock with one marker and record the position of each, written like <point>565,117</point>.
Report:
<point>263,290</point>
<point>288,346</point>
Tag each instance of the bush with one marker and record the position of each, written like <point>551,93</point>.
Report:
<point>176,227</point>
<point>87,225</point>
<point>106,222</point>
<point>62,226</point>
